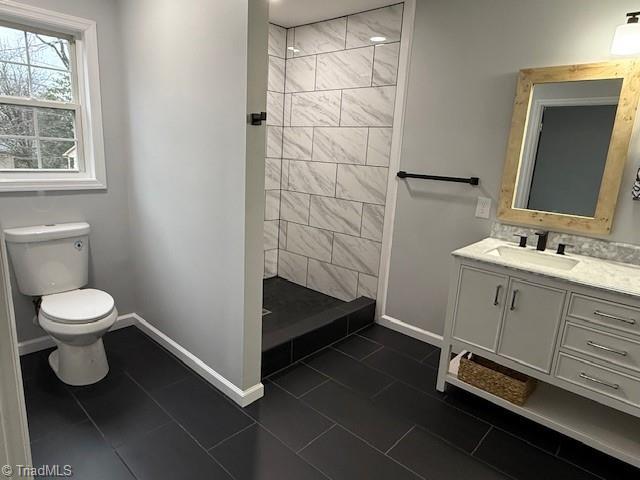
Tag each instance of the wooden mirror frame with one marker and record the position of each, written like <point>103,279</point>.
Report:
<point>629,72</point>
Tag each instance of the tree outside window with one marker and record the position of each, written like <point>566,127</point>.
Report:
<point>37,110</point>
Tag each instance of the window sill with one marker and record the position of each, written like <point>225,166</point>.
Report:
<point>32,185</point>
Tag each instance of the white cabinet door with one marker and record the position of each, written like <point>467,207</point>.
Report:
<point>531,324</point>
<point>479,307</point>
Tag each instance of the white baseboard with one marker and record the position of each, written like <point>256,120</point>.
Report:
<point>44,342</point>
<point>241,397</point>
<point>410,330</point>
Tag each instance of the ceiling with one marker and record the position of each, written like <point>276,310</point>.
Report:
<point>291,13</point>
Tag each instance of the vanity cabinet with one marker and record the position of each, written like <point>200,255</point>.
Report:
<point>581,342</point>
<point>519,320</point>
<point>531,321</point>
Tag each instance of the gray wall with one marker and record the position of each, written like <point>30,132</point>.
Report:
<point>462,81</point>
<point>186,81</point>
<point>106,211</point>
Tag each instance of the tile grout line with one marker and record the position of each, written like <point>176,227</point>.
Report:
<point>486,434</point>
<point>384,389</point>
<point>331,427</point>
<point>233,435</point>
<point>400,439</point>
<point>126,465</point>
<point>308,391</point>
<point>371,353</point>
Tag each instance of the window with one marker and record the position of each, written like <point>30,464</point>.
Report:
<point>50,119</point>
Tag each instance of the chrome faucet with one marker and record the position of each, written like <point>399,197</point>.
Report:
<point>542,241</point>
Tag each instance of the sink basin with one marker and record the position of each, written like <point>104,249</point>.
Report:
<point>534,257</point>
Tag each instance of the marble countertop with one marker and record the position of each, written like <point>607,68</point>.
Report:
<point>591,272</point>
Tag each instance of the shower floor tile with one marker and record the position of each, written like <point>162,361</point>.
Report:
<point>288,303</point>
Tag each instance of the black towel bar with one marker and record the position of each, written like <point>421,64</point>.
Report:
<point>470,180</point>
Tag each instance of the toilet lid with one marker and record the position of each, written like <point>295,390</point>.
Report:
<point>77,306</point>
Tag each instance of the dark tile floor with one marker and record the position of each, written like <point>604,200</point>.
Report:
<point>365,408</point>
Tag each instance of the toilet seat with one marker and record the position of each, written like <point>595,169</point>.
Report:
<point>77,306</point>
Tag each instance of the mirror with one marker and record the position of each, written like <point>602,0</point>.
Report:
<point>569,137</point>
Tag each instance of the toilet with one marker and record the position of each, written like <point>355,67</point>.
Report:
<point>51,262</point>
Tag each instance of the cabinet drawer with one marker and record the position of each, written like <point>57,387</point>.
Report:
<point>601,312</point>
<point>612,348</point>
<point>599,379</point>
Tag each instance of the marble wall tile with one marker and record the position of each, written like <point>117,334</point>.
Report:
<point>383,22</point>
<point>275,108</point>
<point>287,110</point>
<point>362,183</point>
<point>316,108</point>
<point>372,222</point>
<point>309,241</point>
<point>367,285</point>
<point>275,76</point>
<point>272,205</point>
<point>371,107</point>
<point>385,65</point>
<point>270,263</point>
<point>336,215</point>
<point>294,207</point>
<point>301,74</point>
<point>292,267</point>
<point>320,37</point>
<point>340,145</point>
<point>297,143</point>
<point>379,146</point>
<point>277,43</point>
<point>274,142</point>
<point>356,253</point>
<point>344,69</point>
<point>282,234</point>
<point>272,173</point>
<point>270,234</point>
<point>284,179</point>
<point>311,177</point>
<point>332,280</point>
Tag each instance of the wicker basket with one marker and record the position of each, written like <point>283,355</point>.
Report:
<point>503,382</point>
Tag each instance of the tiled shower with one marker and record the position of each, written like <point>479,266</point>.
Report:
<point>330,105</point>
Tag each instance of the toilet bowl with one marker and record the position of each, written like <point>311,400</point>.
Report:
<point>77,320</point>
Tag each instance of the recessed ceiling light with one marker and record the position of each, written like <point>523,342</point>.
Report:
<point>378,39</point>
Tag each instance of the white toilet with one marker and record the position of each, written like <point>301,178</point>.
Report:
<point>52,262</point>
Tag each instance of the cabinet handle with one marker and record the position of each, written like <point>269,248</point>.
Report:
<point>615,386</point>
<point>513,300</point>
<point>593,344</point>
<point>496,299</point>
<point>630,321</point>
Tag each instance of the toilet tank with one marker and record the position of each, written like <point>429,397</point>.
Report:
<point>49,259</point>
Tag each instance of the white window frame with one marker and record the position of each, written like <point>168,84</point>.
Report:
<point>90,140</point>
